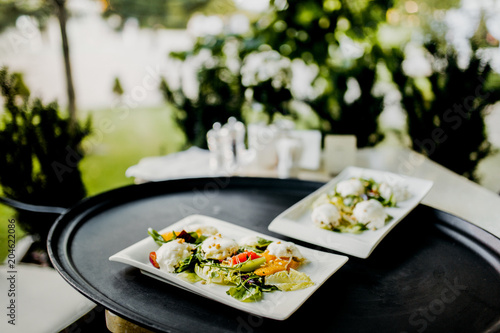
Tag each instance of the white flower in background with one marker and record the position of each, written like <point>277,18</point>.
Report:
<point>262,66</point>
<point>114,21</point>
<point>417,61</point>
<point>184,75</point>
<point>350,48</point>
<point>462,24</point>
<point>28,28</point>
<point>231,51</point>
<point>353,91</point>
<point>253,5</point>
<point>200,25</point>
<point>490,55</point>
<point>393,114</point>
<point>238,24</point>
<point>303,76</point>
<point>174,77</point>
<point>493,23</point>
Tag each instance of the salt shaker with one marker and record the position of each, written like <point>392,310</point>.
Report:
<point>235,145</point>
<point>215,146</point>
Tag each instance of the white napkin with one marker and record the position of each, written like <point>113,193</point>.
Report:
<point>190,163</point>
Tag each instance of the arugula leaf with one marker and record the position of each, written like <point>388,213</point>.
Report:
<point>245,293</point>
<point>260,247</point>
<point>263,243</point>
<point>250,288</point>
<point>189,263</point>
<point>199,239</point>
<point>391,202</point>
<point>156,236</point>
<point>185,265</point>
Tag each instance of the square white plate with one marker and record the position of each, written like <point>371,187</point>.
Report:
<point>276,305</point>
<point>296,221</point>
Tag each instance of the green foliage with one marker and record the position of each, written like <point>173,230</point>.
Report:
<point>308,31</point>
<point>339,39</point>
<point>446,119</point>
<point>220,94</point>
<point>358,117</point>
<point>195,117</point>
<point>10,10</point>
<point>39,153</point>
<point>171,14</point>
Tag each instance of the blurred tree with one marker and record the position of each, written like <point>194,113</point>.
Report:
<point>62,16</point>
<point>340,37</point>
<point>171,14</point>
<point>337,38</point>
<point>446,103</point>
<point>39,153</point>
<point>11,10</point>
<point>446,109</point>
<point>219,96</point>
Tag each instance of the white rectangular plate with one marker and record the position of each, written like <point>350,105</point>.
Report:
<point>276,305</point>
<point>296,221</point>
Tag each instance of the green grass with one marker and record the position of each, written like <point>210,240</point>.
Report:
<point>113,148</point>
<point>119,140</point>
<point>6,213</point>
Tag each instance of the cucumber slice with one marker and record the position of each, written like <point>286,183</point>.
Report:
<point>222,276</point>
<point>251,265</point>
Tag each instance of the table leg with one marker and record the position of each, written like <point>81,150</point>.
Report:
<point>117,324</point>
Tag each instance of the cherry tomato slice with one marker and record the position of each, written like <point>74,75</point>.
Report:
<point>242,257</point>
<point>152,259</point>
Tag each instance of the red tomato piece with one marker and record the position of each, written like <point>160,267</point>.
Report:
<point>242,257</point>
<point>152,259</point>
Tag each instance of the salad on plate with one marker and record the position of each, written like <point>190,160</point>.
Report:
<point>357,204</point>
<point>250,266</point>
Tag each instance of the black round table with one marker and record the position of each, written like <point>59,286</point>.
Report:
<point>433,273</point>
